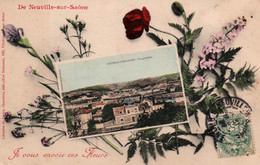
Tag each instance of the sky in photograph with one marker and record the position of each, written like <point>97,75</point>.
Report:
<point>115,69</point>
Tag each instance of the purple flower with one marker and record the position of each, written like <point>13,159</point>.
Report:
<point>8,116</point>
<point>17,134</point>
<point>46,142</point>
<point>12,34</point>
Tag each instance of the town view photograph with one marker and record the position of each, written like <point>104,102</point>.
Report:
<point>145,102</point>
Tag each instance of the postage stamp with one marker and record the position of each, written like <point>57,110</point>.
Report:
<point>123,92</point>
<point>233,132</point>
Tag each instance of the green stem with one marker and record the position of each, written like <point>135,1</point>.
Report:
<point>79,36</point>
<point>163,32</point>
<point>42,126</point>
<point>45,78</point>
<point>67,38</point>
<point>111,144</point>
<point>114,137</point>
<point>37,56</point>
<point>176,137</point>
<point>190,55</point>
<point>89,142</point>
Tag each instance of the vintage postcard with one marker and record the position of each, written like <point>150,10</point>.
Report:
<point>122,92</point>
<point>99,82</point>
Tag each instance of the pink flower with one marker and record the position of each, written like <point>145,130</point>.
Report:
<point>217,48</point>
<point>210,64</point>
<point>46,142</point>
<point>202,55</point>
<point>208,48</point>
<point>81,21</point>
<point>56,50</point>
<point>17,134</point>
<point>29,71</point>
<point>200,79</point>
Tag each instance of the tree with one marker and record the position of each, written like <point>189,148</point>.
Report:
<point>107,113</point>
<point>91,126</point>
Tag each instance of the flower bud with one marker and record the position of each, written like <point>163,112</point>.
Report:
<point>177,8</point>
<point>12,34</point>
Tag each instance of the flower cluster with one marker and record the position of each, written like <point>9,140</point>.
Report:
<point>218,43</point>
<point>8,116</point>
<point>17,134</point>
<point>46,142</point>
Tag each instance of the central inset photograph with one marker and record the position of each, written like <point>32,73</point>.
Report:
<point>124,92</point>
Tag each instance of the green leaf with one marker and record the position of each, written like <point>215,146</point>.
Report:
<point>156,39</point>
<point>196,117</point>
<point>164,137</point>
<point>232,75</point>
<point>159,149</point>
<point>17,123</point>
<point>178,27</point>
<point>231,87</point>
<point>195,34</point>
<point>49,62</point>
<point>223,91</point>
<point>32,52</point>
<point>149,133</point>
<point>245,77</point>
<point>184,142</point>
<point>178,142</point>
<point>186,74</point>
<point>111,144</point>
<point>187,127</point>
<point>229,55</point>
<point>151,149</point>
<point>190,17</point>
<point>143,151</point>
<point>24,42</point>
<point>181,48</point>
<point>31,105</point>
<point>51,89</point>
<point>199,146</point>
<point>131,150</point>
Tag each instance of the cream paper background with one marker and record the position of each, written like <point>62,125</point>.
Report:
<point>105,31</point>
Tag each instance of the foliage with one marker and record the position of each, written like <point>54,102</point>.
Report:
<point>201,95</point>
<point>91,126</point>
<point>45,112</point>
<point>169,114</point>
<point>107,113</point>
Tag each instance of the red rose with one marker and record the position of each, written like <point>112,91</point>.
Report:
<point>135,22</point>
